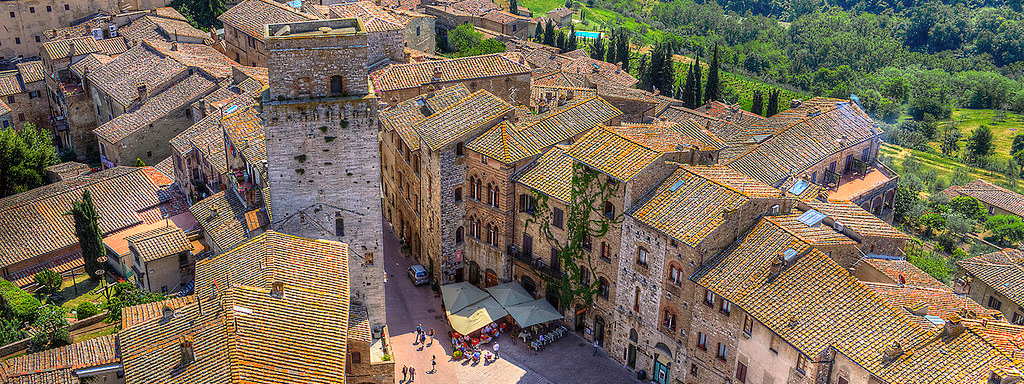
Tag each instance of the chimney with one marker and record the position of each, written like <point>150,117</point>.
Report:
<point>776,268</point>
<point>174,45</point>
<point>794,103</point>
<point>168,313</point>
<point>953,328</point>
<point>186,349</point>
<point>143,92</point>
<point>437,74</point>
<point>277,289</point>
<point>893,352</point>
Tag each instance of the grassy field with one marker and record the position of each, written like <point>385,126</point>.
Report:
<point>943,167</point>
<point>1005,126</point>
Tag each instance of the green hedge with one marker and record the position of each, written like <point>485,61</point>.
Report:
<point>16,301</point>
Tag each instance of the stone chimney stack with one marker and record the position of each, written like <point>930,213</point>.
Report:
<point>168,313</point>
<point>143,91</point>
<point>277,289</point>
<point>186,350</point>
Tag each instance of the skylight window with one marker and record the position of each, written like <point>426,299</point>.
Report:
<point>799,187</point>
<point>675,186</point>
<point>811,218</point>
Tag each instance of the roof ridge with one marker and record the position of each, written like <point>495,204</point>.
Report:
<point>724,185</point>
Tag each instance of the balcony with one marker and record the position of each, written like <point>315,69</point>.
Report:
<point>861,181</point>
<point>535,263</point>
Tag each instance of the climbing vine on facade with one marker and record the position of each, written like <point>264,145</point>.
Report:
<point>585,221</point>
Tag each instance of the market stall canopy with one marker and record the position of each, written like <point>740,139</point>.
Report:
<point>457,296</point>
<point>509,294</point>
<point>533,312</point>
<point>476,316</point>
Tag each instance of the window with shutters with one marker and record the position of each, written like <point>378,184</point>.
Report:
<point>741,372</point>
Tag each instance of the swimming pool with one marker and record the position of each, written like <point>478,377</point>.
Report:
<point>588,34</point>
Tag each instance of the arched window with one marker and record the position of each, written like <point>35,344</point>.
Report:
<point>641,256</point>
<point>609,210</point>
<point>458,194</point>
<point>585,277</point>
<point>490,194</point>
<point>476,190</point>
<point>339,224</point>
<point>675,274</point>
<point>494,197</point>
<point>529,285</point>
<point>602,288</point>
<point>492,235</point>
<point>633,336</point>
<point>335,85</point>
<point>476,229</point>
<point>459,235</point>
<point>472,191</point>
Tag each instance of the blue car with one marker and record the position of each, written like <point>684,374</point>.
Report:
<point>418,275</point>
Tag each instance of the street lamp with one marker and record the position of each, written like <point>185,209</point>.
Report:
<point>103,280</point>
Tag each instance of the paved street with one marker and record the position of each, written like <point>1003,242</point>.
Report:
<point>569,360</point>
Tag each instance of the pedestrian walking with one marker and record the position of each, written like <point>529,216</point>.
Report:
<point>596,348</point>
<point>431,334</point>
<point>496,350</point>
<point>405,372</point>
<point>433,364</point>
<point>412,374</point>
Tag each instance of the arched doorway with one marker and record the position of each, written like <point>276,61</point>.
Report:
<point>631,351</point>
<point>599,330</point>
<point>490,278</point>
<point>552,297</point>
<point>662,362</point>
<point>529,285</point>
<point>581,318</point>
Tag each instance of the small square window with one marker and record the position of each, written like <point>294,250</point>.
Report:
<point>49,8</point>
<point>31,9</point>
<point>67,7</point>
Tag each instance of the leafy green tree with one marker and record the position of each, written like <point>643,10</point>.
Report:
<point>969,207</point>
<point>50,328</point>
<point>933,222</point>
<point>960,176</point>
<point>90,237</point>
<point>980,144</point>
<point>687,90</point>
<point>622,49</point>
<point>49,281</point>
<point>713,92</point>
<point>697,88</point>
<point>126,295</point>
<point>201,14</point>
<point>951,141</point>
<point>1006,229</point>
<point>464,37</point>
<point>573,43</point>
<point>958,225</point>
<point>139,162</point>
<point>24,155</point>
<point>1018,143</point>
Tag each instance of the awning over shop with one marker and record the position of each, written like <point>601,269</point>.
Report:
<point>476,316</point>
<point>509,294</point>
<point>533,312</point>
<point>457,296</point>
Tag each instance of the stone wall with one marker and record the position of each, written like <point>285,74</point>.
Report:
<point>452,175</point>
<point>151,144</point>
<point>323,151</point>
<point>386,45</point>
<point>33,17</point>
<point>26,108</point>
<point>401,186</point>
<point>420,35</point>
<point>244,49</point>
<point>512,88</point>
<point>488,257</point>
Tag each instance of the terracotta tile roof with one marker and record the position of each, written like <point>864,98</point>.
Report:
<point>207,137</point>
<point>902,270</point>
<point>503,17</point>
<point>669,137</point>
<point>36,222</point>
<point>503,143</point>
<point>57,365</point>
<point>942,303</point>
<point>738,139</point>
<point>112,46</point>
<point>628,93</point>
<point>359,324</point>
<point>856,218</point>
<point>159,242</point>
<point>4,108</point>
<point>731,113</point>
<point>603,149</point>
<point>814,304</point>
<point>551,175</point>
<point>402,76</point>
<point>990,194</point>
<point>89,63</point>
<point>1006,337</point>
<point>200,56</point>
<point>221,217</point>
<point>251,16</point>
<point>818,234</point>
<point>567,122</point>
<point>75,46</point>
<point>806,139</point>
<point>138,314</point>
<point>240,332</point>
<point>156,107</point>
<point>560,12</point>
<point>693,201</point>
<point>546,92</point>
<point>10,83</point>
<point>142,64</point>
<point>557,78</point>
<point>373,16</point>
<point>244,128</point>
<point>405,115</point>
<point>166,167</point>
<point>1001,270</point>
<point>459,119</point>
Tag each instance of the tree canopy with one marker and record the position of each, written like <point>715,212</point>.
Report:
<point>24,155</point>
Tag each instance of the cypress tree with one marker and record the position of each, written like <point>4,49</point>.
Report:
<point>572,44</point>
<point>89,236</point>
<point>773,103</point>
<point>560,40</point>
<point>697,69</point>
<point>622,48</point>
<point>758,103</point>
<point>687,87</point>
<point>654,67</point>
<point>597,48</point>
<point>644,73</point>
<point>712,92</point>
<point>538,34</point>
<point>513,7</point>
<point>549,34</point>
<point>668,71</point>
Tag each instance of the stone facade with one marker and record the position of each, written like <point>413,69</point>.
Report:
<point>400,170</point>
<point>149,144</point>
<point>322,146</point>
<point>488,195</point>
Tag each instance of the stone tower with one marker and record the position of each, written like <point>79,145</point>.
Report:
<point>323,157</point>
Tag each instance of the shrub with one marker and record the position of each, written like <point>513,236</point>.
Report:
<point>49,281</point>
<point>17,302</point>
<point>50,329</point>
<point>86,310</point>
<point>1006,229</point>
<point>969,207</point>
<point>935,265</point>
